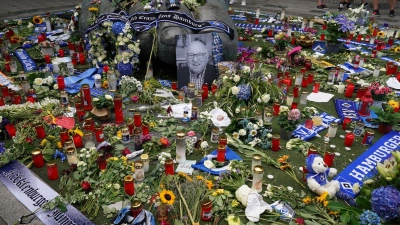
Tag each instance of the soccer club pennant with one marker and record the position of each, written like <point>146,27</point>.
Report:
<point>319,46</point>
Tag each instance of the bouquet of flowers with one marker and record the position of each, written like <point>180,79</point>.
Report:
<point>129,85</point>
<point>102,105</point>
<point>378,91</point>
<point>289,119</point>
<point>254,134</point>
<point>282,40</point>
<point>246,89</point>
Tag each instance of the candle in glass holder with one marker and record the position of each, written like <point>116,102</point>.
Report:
<point>86,98</point>
<point>136,208</point>
<point>37,157</point>
<point>119,114</point>
<point>359,128</point>
<point>129,185</point>
<point>145,160</point>
<point>180,147</point>
<point>191,91</point>
<point>99,134</point>
<point>308,64</point>
<point>88,139</point>
<point>349,90</point>
<point>258,173</point>
<point>112,81</point>
<point>303,98</point>
<point>289,99</point>
<point>223,140</point>
<point>310,78</point>
<point>69,143</point>
<point>72,156</point>
<point>169,167</point>
<point>373,53</point>
<point>349,139</point>
<point>256,161</point>
<point>82,59</point>
<point>332,129</point>
<point>52,170</point>
<point>221,152</point>
<point>63,136</point>
<point>89,121</point>
<point>299,79</point>
<point>101,162</point>
<point>376,72</point>
<point>137,139</point>
<point>17,99</point>
<point>206,210</point>
<point>312,150</point>
<point>309,124</point>
<point>145,128</point>
<point>80,114</point>
<point>64,97</point>
<point>139,171</point>
<point>4,91</point>
<point>317,120</point>
<point>77,140</point>
<point>275,142</point>
<point>304,82</point>
<point>204,87</point>
<point>268,117</point>
<point>294,105</point>
<point>61,53</point>
<point>341,88</point>
<point>174,85</point>
<point>316,87</point>
<point>345,122</point>
<point>368,137</point>
<point>40,132</point>
<point>125,135</point>
<point>330,156</point>
<point>214,88</point>
<point>47,59</point>
<point>60,82</point>
<point>296,90</point>
<point>391,41</point>
<point>277,106</point>
<point>214,135</point>
<point>131,126</point>
<point>137,117</point>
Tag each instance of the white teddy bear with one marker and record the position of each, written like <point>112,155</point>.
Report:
<point>317,176</point>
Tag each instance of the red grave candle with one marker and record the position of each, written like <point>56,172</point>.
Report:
<point>137,117</point>
<point>221,153</point>
<point>129,185</point>
<point>309,124</point>
<point>89,122</point>
<point>222,140</point>
<point>1,101</point>
<point>63,136</point>
<point>328,159</point>
<point>361,91</point>
<point>270,33</point>
<point>77,140</point>
<point>294,105</point>
<point>102,162</point>
<point>276,108</point>
<point>131,126</point>
<point>280,74</point>
<point>71,45</point>
<point>86,99</point>
<point>316,87</point>
<point>322,37</point>
<point>324,27</point>
<point>174,86</point>
<point>206,210</point>
<point>82,59</point>
<point>12,92</point>
<point>303,70</point>
<point>275,142</point>
<point>349,90</point>
<point>312,150</point>
<point>37,157</point>
<point>60,82</point>
<point>296,90</point>
<point>17,99</point>
<point>40,133</point>
<point>349,139</point>
<point>52,171</point>
<point>136,208</point>
<point>359,37</point>
<point>345,122</point>
<point>74,60</point>
<point>47,59</point>
<point>40,39</point>
<point>145,128</point>
<point>373,53</point>
<point>11,130</point>
<point>119,113</point>
<point>44,36</point>
<point>204,87</point>
<point>4,91</point>
<point>169,167</point>
<point>293,40</point>
<point>8,68</point>
<point>308,64</point>
<point>98,131</point>
<point>375,32</point>
<point>80,113</point>
<point>61,53</point>
<point>80,47</point>
<point>390,41</point>
<point>304,82</point>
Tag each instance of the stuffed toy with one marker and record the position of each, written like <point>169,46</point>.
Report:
<point>317,177</point>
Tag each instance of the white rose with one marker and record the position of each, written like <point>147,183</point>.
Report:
<point>119,38</point>
<point>108,97</point>
<point>30,25</point>
<point>95,99</point>
<point>259,100</point>
<point>356,188</point>
<point>209,164</point>
<point>246,69</point>
<point>237,110</point>
<point>116,186</point>
<point>255,127</point>
<point>235,90</point>
<point>55,86</point>
<point>38,81</point>
<point>204,145</point>
<point>225,77</point>
<point>129,36</point>
<point>126,39</point>
<point>259,49</point>
<point>121,43</point>
<point>50,80</point>
<point>242,132</point>
<point>80,163</point>
<point>265,98</point>
<point>236,78</point>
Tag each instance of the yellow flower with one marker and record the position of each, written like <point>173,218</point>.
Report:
<point>167,197</point>
<point>220,191</point>
<point>103,171</point>
<point>43,142</point>
<point>37,20</point>
<point>333,213</point>
<point>152,124</point>
<point>234,203</point>
<point>184,175</point>
<point>78,131</point>
<point>132,169</point>
<point>125,164</point>
<point>105,84</point>
<point>393,104</point>
<point>59,144</point>
<point>124,158</point>
<point>199,177</point>
<point>397,49</point>
<point>325,203</point>
<point>307,200</point>
<point>209,184</point>
<point>381,34</point>
<point>214,193</point>
<point>93,9</point>
<point>119,134</point>
<point>115,158</point>
<point>322,197</point>
<point>233,220</point>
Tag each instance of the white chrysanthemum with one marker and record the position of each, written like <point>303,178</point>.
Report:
<point>95,99</point>
<point>125,39</point>
<point>356,188</point>
<point>259,100</point>
<point>236,78</point>
<point>108,97</point>
<point>242,132</point>
<point>38,81</point>
<point>265,98</point>
<point>259,49</point>
<point>255,126</point>
<point>246,69</point>
<point>121,43</point>
<point>30,25</point>
<point>235,90</point>
<point>117,186</point>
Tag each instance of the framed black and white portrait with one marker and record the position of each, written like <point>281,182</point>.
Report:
<point>194,60</point>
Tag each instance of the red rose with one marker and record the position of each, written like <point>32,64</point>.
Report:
<point>126,151</point>
<point>29,140</point>
<point>85,185</point>
<point>299,221</point>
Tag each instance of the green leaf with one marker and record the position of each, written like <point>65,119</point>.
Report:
<point>363,203</point>
<point>62,208</point>
<point>309,222</point>
<point>220,203</point>
<point>307,215</point>
<point>212,198</point>
<point>345,217</point>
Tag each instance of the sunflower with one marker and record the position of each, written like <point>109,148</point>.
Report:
<point>16,39</point>
<point>184,175</point>
<point>37,20</point>
<point>397,49</point>
<point>167,197</point>
<point>199,177</point>
<point>209,184</point>
<point>381,34</point>
<point>326,203</point>
<point>307,200</point>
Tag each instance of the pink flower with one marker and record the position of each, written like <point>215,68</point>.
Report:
<point>294,114</point>
<point>191,134</point>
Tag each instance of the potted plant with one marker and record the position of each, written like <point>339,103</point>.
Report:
<point>386,118</point>
<point>282,41</point>
<point>102,106</point>
<point>332,36</point>
<point>379,93</point>
<point>288,121</point>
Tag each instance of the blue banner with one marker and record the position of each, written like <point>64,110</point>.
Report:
<point>34,193</point>
<point>306,134</point>
<point>364,166</point>
<point>347,109</point>
<point>26,61</point>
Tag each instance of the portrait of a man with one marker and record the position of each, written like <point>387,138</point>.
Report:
<point>194,60</point>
